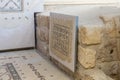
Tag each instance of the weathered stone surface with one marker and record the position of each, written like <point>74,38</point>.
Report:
<point>110,68</point>
<point>43,34</point>
<point>117,23</point>
<point>42,20</point>
<point>42,47</point>
<point>110,26</point>
<point>107,50</point>
<point>118,47</point>
<point>90,34</point>
<point>119,71</point>
<point>93,74</point>
<point>86,57</point>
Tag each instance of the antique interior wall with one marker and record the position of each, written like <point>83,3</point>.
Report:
<point>57,4</point>
<point>17,23</point>
<point>98,39</point>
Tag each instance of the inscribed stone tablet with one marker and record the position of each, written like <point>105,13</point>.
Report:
<point>63,39</point>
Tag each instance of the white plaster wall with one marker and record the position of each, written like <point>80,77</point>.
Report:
<point>51,5</point>
<point>17,28</point>
<point>49,2</point>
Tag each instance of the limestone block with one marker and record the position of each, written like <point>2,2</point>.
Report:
<point>119,71</point>
<point>43,47</point>
<point>93,74</point>
<point>107,50</point>
<point>86,57</point>
<point>43,34</point>
<point>110,27</point>
<point>118,47</point>
<point>117,23</point>
<point>110,68</point>
<point>90,34</point>
<point>42,20</point>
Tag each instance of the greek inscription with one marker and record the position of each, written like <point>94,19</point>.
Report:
<point>60,36</point>
<point>41,77</point>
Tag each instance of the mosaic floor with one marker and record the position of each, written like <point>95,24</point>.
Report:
<point>28,65</point>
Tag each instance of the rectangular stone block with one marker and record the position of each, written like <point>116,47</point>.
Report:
<point>42,20</point>
<point>43,47</point>
<point>90,34</point>
<point>119,71</point>
<point>110,26</point>
<point>63,39</point>
<point>117,23</point>
<point>92,74</point>
<point>43,34</point>
<point>118,47</point>
<point>107,51</point>
<point>86,57</point>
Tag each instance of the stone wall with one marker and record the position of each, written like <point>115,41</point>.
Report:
<point>99,50</point>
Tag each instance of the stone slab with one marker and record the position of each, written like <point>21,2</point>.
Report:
<point>63,39</point>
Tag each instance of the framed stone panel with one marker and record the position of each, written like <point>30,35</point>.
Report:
<point>63,39</point>
<point>10,5</point>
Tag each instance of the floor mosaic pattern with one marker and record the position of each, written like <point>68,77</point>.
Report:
<point>28,65</point>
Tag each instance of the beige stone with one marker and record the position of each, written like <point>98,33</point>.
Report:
<point>87,57</point>
<point>93,74</point>
<point>90,34</point>
<point>110,27</point>
<point>43,47</point>
<point>119,71</point>
<point>117,23</point>
<point>43,34</point>
<point>42,20</point>
<point>118,47</point>
<point>107,51</point>
<point>109,68</point>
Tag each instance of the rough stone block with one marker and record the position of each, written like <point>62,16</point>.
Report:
<point>93,74</point>
<point>43,34</point>
<point>117,23</point>
<point>90,34</point>
<point>107,50</point>
<point>118,47</point>
<point>110,68</point>
<point>110,26</point>
<point>86,57</point>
